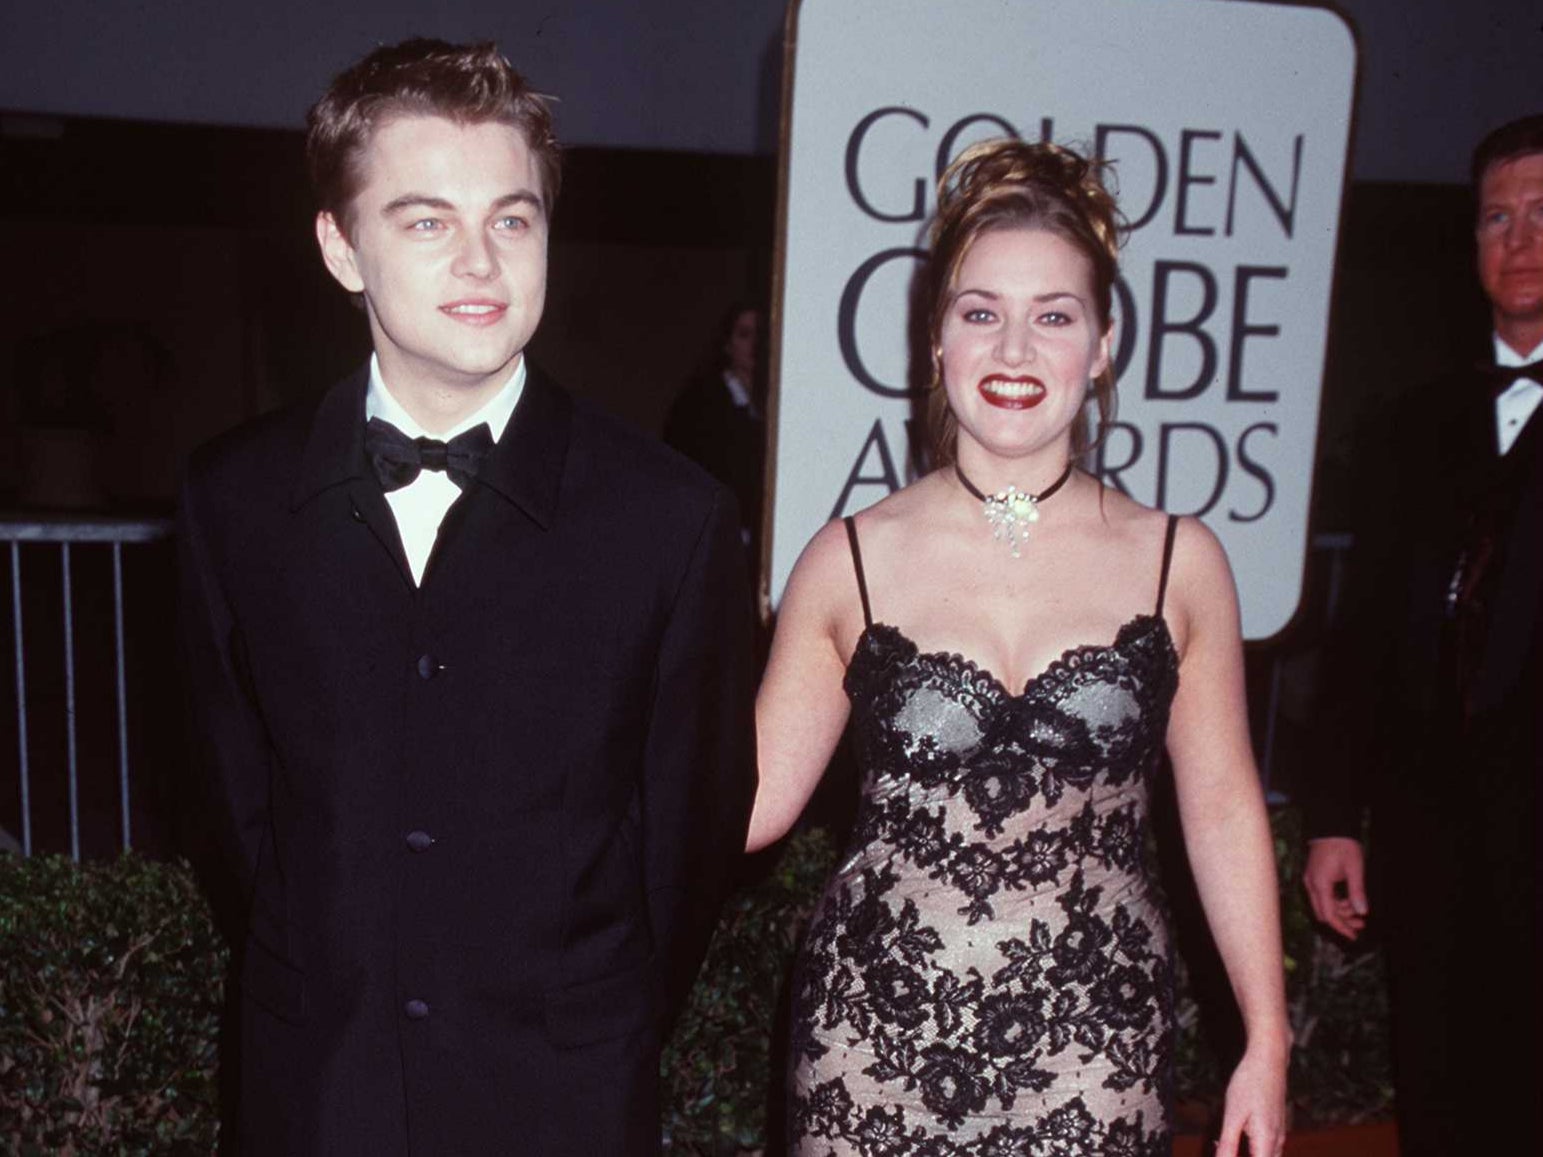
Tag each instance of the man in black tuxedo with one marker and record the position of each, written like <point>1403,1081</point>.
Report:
<point>1435,713</point>
<point>471,675</point>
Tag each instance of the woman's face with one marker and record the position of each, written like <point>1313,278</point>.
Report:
<point>1021,340</point>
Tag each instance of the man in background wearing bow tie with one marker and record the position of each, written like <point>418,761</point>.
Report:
<point>1434,713</point>
<point>470,667</point>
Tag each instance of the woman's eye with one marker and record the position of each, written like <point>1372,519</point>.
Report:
<point>978,316</point>
<point>1055,317</point>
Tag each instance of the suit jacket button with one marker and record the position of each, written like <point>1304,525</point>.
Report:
<point>428,667</point>
<point>356,513</point>
<point>420,841</point>
<point>416,1009</point>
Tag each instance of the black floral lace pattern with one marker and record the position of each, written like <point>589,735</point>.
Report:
<point>988,972</point>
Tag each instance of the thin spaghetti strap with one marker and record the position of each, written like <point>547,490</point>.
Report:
<point>1162,585</point>
<point>857,565</point>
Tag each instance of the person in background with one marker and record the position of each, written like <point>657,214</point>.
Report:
<point>471,675</point>
<point>1433,714</point>
<point>719,422</point>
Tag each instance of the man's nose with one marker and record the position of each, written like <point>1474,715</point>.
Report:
<point>476,257</point>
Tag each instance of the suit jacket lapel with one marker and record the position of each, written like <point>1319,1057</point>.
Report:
<point>524,470</point>
<point>1514,605</point>
<point>526,466</point>
<point>1473,449</point>
<point>334,456</point>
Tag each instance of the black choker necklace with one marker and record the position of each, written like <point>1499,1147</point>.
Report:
<point>1011,511</point>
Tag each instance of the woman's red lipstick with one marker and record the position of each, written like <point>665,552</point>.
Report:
<point>1020,393</point>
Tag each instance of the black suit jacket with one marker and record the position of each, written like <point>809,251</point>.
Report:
<point>485,823</point>
<point>1391,726</point>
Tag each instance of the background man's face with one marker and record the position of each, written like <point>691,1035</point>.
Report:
<point>742,348</point>
<point>448,246</point>
<point>1510,238</point>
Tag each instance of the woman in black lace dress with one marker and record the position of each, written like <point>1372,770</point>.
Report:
<point>988,971</point>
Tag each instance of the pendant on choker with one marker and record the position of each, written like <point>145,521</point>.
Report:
<point>1012,511</point>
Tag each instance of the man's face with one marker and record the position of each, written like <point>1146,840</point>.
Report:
<point>742,347</point>
<point>448,246</point>
<point>1510,240</point>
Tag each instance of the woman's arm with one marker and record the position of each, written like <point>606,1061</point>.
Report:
<point>1227,833</point>
<point>801,708</point>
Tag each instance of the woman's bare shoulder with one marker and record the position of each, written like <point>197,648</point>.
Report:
<point>1135,523</point>
<point>1202,596</point>
<point>1198,555</point>
<point>906,503</point>
<point>825,575</point>
<point>825,559</point>
<point>903,513</point>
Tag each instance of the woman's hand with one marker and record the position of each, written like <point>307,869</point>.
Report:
<point>1227,833</point>
<point>1256,1104</point>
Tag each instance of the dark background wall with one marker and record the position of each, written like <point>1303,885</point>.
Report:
<point>696,75</point>
<point>160,279</point>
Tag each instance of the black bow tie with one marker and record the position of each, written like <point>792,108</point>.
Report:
<point>1502,376</point>
<point>397,459</point>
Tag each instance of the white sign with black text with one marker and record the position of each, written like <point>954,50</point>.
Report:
<point>1228,125</point>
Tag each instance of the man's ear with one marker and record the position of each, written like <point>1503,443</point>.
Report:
<point>337,253</point>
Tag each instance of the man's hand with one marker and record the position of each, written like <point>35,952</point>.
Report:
<point>1331,862</point>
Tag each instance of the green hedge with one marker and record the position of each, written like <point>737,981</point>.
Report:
<point>110,989</point>
<point>110,983</point>
<point>1337,997</point>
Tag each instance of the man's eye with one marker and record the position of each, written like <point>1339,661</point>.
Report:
<point>1494,221</point>
<point>425,225</point>
<point>510,223</point>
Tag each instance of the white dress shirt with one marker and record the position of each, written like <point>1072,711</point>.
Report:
<point>420,506</point>
<point>1517,402</point>
<point>738,391</point>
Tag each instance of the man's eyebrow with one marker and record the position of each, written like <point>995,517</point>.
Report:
<point>424,201</point>
<point>421,200</point>
<point>523,197</point>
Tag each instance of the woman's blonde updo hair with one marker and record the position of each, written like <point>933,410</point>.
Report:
<point>1013,184</point>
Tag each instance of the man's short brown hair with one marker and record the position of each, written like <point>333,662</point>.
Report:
<point>466,83</point>
<point>1515,139</point>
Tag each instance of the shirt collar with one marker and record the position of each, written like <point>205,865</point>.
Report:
<point>737,389</point>
<point>380,403</point>
<point>1506,356</point>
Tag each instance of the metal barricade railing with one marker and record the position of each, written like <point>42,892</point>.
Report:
<point>71,534</point>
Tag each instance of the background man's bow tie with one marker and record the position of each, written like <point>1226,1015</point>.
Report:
<point>397,459</point>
